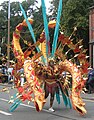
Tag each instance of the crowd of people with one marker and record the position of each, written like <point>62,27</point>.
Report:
<point>6,76</point>
<point>6,73</point>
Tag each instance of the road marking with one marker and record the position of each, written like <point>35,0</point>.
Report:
<point>4,113</point>
<point>4,99</point>
<point>88,100</point>
<point>25,105</point>
<point>30,106</point>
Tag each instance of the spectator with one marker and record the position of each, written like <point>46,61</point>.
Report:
<point>10,77</point>
<point>90,81</point>
<point>22,79</point>
<point>4,69</point>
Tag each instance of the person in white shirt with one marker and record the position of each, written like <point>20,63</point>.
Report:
<point>22,79</point>
<point>10,77</point>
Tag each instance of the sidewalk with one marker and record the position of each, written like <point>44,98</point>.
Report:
<point>6,84</point>
<point>87,96</point>
<point>83,95</point>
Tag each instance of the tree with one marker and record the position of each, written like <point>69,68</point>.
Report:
<point>75,14</point>
<point>16,17</point>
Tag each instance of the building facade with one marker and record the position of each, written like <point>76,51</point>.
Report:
<point>91,36</point>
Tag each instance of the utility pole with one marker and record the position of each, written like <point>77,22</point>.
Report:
<point>8,46</point>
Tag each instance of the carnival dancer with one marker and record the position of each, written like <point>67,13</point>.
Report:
<point>49,72</point>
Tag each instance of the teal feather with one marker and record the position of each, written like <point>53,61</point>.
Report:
<point>65,99</point>
<point>15,105</point>
<point>31,30</point>
<point>45,26</point>
<point>29,26</point>
<point>17,100</point>
<point>13,97</point>
<point>54,45</point>
<point>58,98</point>
<point>58,95</point>
<point>69,102</point>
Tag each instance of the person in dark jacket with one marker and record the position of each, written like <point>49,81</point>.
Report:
<point>90,81</point>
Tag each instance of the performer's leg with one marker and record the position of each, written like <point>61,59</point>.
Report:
<point>46,91</point>
<point>89,90</point>
<point>51,101</point>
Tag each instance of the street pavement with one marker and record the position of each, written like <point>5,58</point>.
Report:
<point>27,111</point>
<point>88,96</point>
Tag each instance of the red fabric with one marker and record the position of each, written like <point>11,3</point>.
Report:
<point>20,89</point>
<point>51,87</point>
<point>19,27</point>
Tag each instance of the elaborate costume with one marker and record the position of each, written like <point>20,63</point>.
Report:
<point>45,69</point>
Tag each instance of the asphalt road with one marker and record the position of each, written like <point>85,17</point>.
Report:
<point>28,112</point>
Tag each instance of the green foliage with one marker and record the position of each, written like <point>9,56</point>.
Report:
<point>75,14</point>
<point>16,17</point>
